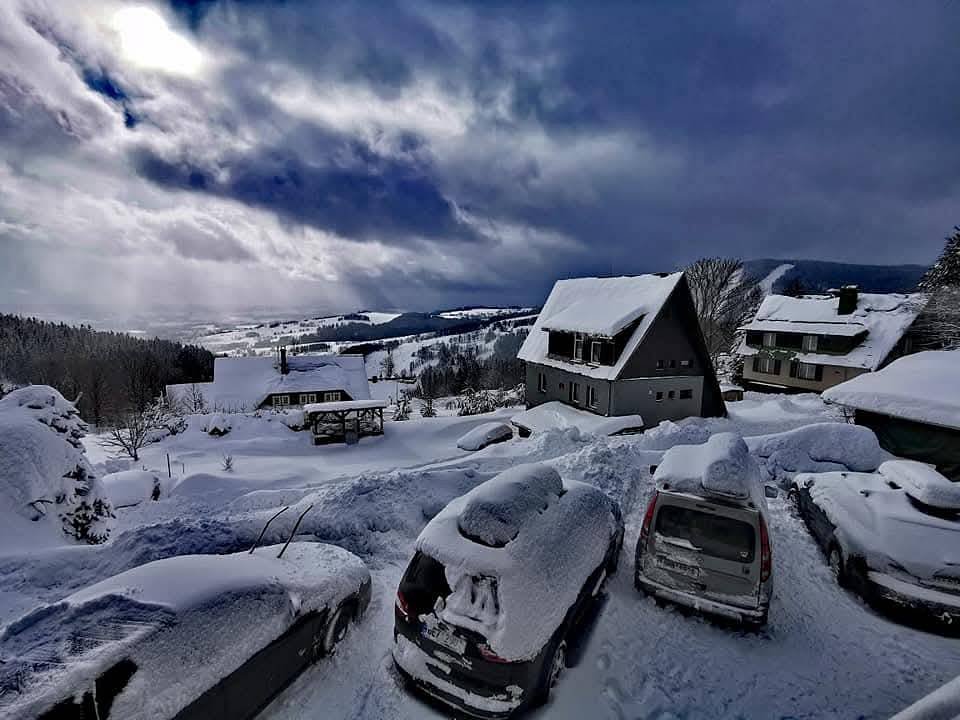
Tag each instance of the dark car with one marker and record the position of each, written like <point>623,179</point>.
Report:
<point>501,583</point>
<point>191,637</point>
<point>889,537</point>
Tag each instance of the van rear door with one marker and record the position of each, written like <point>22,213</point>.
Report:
<point>708,549</point>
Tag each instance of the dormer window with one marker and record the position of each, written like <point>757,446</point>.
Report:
<point>595,352</point>
<point>769,339</point>
<point>810,343</point>
<point>578,347</point>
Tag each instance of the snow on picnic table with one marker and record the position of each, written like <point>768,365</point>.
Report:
<point>824,654</point>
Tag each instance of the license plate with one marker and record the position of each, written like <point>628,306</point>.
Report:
<point>677,567</point>
<point>443,636</point>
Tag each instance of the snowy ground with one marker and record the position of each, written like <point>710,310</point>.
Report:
<point>823,655</point>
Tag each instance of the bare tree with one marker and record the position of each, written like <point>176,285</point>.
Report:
<point>134,430</point>
<point>725,298</point>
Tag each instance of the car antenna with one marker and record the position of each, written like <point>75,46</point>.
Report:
<point>294,531</point>
<point>260,536</point>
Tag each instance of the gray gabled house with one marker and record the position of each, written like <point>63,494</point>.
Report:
<point>622,346</point>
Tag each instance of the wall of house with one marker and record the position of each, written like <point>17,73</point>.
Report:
<point>558,388</point>
<point>639,396</point>
<point>832,375</point>
<point>668,339</point>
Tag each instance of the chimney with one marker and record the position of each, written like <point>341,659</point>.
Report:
<point>284,369</point>
<point>848,299</point>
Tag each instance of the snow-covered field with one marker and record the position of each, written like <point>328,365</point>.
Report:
<point>824,654</point>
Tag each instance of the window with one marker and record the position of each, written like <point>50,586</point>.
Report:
<point>769,339</point>
<point>806,371</point>
<point>673,363</point>
<point>810,343</point>
<point>686,394</point>
<point>659,396</point>
<point>659,364</point>
<point>306,398</point>
<point>766,365</point>
<point>595,352</point>
<point>281,400</point>
<point>713,535</point>
<point>541,382</point>
<point>331,396</point>
<point>592,396</point>
<point>575,392</point>
<point>672,394</point>
<point>578,347</point>
<point>686,363</point>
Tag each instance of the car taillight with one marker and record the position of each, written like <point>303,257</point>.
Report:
<point>489,655</point>
<point>766,559</point>
<point>647,519</point>
<point>402,605</point>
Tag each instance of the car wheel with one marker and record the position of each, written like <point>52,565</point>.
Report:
<point>614,560</point>
<point>837,569</point>
<point>337,628</point>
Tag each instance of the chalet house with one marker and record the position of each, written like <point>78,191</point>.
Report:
<point>621,346</point>
<point>244,384</point>
<point>815,342</point>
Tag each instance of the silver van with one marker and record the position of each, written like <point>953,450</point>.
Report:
<point>708,551</point>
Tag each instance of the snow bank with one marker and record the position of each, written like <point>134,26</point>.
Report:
<point>485,434</point>
<point>556,415</point>
<point>821,447</point>
<point>541,570</point>
<point>45,476</point>
<point>722,465</point>
<point>132,487</point>
<point>923,483</point>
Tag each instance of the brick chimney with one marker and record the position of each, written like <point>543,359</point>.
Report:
<point>848,299</point>
<point>284,368</point>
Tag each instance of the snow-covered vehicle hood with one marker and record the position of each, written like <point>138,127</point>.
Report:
<point>879,522</point>
<point>545,554</point>
<point>186,622</point>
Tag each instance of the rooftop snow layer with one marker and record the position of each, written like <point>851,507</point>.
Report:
<point>722,465</point>
<point>555,415</point>
<point>497,510</point>
<point>341,405</point>
<point>924,387</point>
<point>885,317</point>
<point>922,482</point>
<point>598,306</point>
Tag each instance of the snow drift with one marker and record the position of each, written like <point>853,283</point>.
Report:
<point>821,447</point>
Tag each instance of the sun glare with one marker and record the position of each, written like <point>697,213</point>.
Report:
<point>147,41</point>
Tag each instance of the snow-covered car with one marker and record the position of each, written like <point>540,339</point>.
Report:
<point>485,434</point>
<point>892,537</point>
<point>503,578</point>
<point>189,637</point>
<point>704,542</point>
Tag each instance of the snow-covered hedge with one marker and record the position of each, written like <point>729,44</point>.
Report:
<point>44,472</point>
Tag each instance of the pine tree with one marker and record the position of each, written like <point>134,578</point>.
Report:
<point>939,323</point>
<point>945,272</point>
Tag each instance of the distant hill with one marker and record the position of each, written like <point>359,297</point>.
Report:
<point>817,276</point>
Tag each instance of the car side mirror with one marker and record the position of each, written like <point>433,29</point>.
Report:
<point>770,491</point>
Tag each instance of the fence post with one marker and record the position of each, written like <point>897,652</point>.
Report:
<point>169,473</point>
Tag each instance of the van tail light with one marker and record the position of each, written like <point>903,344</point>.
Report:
<point>766,558</point>
<point>648,519</point>
<point>402,605</point>
<point>489,655</point>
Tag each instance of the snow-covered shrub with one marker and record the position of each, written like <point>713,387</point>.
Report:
<point>44,472</point>
<point>477,402</point>
<point>427,410</point>
<point>132,487</point>
<point>294,419</point>
<point>227,463</point>
<point>218,425</point>
<point>403,410</point>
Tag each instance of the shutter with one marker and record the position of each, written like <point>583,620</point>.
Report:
<point>794,366</point>
<point>776,367</point>
<point>819,374</point>
<point>756,364</point>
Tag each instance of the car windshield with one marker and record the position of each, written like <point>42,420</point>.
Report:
<point>423,582</point>
<point>713,535</point>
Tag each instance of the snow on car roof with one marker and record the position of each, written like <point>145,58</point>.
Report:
<point>598,306</point>
<point>721,466</point>
<point>556,415</point>
<point>885,318</point>
<point>541,570</point>
<point>175,614</point>
<point>924,387</point>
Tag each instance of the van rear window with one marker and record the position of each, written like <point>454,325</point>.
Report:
<point>713,535</point>
<point>423,582</point>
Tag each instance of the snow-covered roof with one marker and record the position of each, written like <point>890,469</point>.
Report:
<point>884,317</point>
<point>553,542</point>
<point>599,307</point>
<point>245,382</point>
<point>924,387</point>
<point>556,415</point>
<point>344,405</point>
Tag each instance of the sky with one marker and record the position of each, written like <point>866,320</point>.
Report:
<point>208,157</point>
